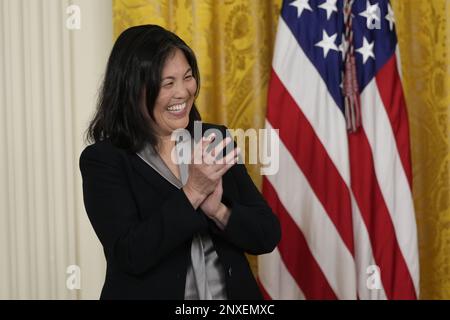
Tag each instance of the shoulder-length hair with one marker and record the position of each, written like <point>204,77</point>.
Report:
<point>136,64</point>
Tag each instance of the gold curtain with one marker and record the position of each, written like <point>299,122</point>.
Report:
<point>233,41</point>
<point>423,29</point>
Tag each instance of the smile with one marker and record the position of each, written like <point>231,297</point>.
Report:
<point>177,108</point>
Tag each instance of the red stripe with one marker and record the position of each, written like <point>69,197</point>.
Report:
<point>312,158</point>
<point>395,275</point>
<point>295,252</point>
<point>263,290</point>
<point>391,92</point>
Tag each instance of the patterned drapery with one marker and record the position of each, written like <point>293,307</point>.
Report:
<point>423,29</point>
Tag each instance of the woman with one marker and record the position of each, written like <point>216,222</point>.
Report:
<point>169,230</point>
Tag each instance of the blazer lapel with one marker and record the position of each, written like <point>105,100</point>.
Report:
<point>152,159</point>
<point>149,164</point>
<point>150,175</point>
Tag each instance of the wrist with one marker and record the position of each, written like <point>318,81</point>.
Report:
<point>195,197</point>
<point>222,216</point>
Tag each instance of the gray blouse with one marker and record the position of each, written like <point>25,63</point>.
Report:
<point>205,279</point>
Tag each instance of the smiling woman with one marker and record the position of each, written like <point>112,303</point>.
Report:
<point>176,96</point>
<point>169,230</point>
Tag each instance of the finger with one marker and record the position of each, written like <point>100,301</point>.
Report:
<point>223,170</point>
<point>206,141</point>
<point>206,154</point>
<point>230,160</point>
<point>218,150</point>
<point>200,146</point>
<point>208,158</point>
<point>232,157</point>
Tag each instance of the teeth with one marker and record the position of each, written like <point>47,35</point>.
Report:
<point>177,107</point>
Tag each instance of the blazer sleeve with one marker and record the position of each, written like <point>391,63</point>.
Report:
<point>135,244</point>
<point>252,225</point>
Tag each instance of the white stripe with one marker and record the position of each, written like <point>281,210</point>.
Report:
<point>399,62</point>
<point>364,256</point>
<point>276,279</point>
<point>391,176</point>
<point>322,237</point>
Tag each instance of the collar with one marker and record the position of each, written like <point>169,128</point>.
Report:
<point>151,157</point>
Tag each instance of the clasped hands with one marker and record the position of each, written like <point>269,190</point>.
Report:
<point>204,185</point>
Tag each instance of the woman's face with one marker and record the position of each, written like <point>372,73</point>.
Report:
<point>176,95</point>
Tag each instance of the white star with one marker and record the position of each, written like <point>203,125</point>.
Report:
<point>366,50</point>
<point>390,17</point>
<point>330,6</point>
<point>301,5</point>
<point>327,43</point>
<point>372,12</point>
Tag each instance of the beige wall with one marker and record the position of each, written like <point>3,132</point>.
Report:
<point>49,77</point>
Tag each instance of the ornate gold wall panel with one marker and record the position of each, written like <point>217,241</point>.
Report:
<point>423,29</point>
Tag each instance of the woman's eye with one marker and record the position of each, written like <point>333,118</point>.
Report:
<point>167,84</point>
<point>188,77</point>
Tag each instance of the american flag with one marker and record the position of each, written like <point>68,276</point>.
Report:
<point>343,197</point>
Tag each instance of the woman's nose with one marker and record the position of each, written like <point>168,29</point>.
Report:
<point>181,91</point>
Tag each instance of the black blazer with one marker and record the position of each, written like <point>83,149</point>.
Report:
<point>146,225</point>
